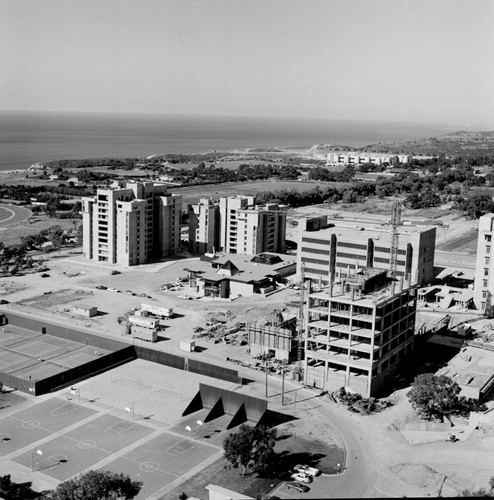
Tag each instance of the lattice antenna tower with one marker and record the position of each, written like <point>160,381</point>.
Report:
<point>395,236</point>
<point>300,316</point>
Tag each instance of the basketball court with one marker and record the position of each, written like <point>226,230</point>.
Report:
<point>162,460</point>
<point>60,439</point>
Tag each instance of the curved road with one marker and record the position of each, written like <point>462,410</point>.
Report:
<point>362,467</point>
<point>14,215</point>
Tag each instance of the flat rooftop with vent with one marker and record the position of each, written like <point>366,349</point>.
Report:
<point>473,370</point>
<point>326,246</point>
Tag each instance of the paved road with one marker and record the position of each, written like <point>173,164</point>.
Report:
<point>360,474</point>
<point>15,215</point>
<point>454,259</point>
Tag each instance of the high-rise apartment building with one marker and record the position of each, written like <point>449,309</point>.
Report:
<point>326,248</point>
<point>358,331</point>
<point>131,224</point>
<point>204,226</point>
<point>483,294</point>
<point>237,225</point>
<point>229,234</point>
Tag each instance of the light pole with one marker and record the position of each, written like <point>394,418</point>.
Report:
<point>38,452</point>
<point>76,390</point>
<point>193,428</point>
<point>131,409</point>
<point>266,368</point>
<point>283,366</point>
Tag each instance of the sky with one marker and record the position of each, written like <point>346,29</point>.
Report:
<point>393,60</point>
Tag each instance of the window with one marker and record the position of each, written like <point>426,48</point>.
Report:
<point>488,237</point>
<point>487,261</point>
<point>484,295</point>
<point>487,249</point>
<point>484,284</point>
<point>486,272</point>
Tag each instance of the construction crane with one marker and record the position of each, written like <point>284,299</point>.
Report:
<point>300,316</point>
<point>395,236</point>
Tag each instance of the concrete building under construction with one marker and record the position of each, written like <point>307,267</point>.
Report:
<point>276,337</point>
<point>358,331</point>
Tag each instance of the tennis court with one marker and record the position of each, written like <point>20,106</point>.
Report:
<point>28,357</point>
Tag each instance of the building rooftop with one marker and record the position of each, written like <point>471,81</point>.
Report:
<point>366,286</point>
<point>242,267</point>
<point>348,231</point>
<point>470,368</point>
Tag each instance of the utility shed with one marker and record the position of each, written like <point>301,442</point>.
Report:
<point>188,345</point>
<point>85,310</point>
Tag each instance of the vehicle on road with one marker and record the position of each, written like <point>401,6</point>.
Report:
<point>185,297</point>
<point>114,290</point>
<point>306,469</point>
<point>114,272</point>
<point>101,287</point>
<point>302,477</point>
<point>302,488</point>
<point>45,275</point>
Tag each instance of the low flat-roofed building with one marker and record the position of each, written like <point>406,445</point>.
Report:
<point>85,310</point>
<point>220,493</point>
<point>446,296</point>
<point>235,275</point>
<point>473,370</point>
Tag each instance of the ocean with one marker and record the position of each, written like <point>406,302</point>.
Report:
<point>27,138</point>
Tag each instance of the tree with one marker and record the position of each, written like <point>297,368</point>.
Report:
<point>250,444</point>
<point>434,396</point>
<point>482,492</point>
<point>16,491</point>
<point>97,485</point>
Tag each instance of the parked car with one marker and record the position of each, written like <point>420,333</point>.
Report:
<point>114,272</point>
<point>114,290</point>
<point>45,275</point>
<point>185,297</point>
<point>101,287</point>
<point>302,488</point>
<point>302,477</point>
<point>310,471</point>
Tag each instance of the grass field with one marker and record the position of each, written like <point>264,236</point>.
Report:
<point>13,235</point>
<point>4,214</point>
<point>192,194</point>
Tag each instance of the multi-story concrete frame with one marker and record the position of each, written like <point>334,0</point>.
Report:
<point>131,225</point>
<point>358,331</point>
<point>251,229</point>
<point>360,158</point>
<point>324,248</point>
<point>484,268</point>
<point>204,226</point>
